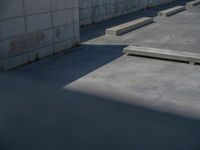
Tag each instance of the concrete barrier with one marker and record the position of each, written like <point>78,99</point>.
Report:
<point>171,11</point>
<point>124,28</point>
<point>163,54</point>
<point>192,4</point>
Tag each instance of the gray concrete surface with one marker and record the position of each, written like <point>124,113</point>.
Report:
<point>163,85</point>
<point>143,96</point>
<point>92,11</point>
<point>37,115</point>
<point>129,26</point>
<point>183,56</point>
<point>97,67</point>
<point>192,4</point>
<point>171,11</point>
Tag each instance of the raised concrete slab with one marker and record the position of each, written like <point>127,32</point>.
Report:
<point>171,11</point>
<point>192,4</point>
<point>163,54</point>
<point>124,28</point>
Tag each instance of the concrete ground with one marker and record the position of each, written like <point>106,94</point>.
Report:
<point>98,67</point>
<point>163,85</point>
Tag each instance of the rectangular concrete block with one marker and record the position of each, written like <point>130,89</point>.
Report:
<point>163,54</point>
<point>192,4</point>
<point>124,28</point>
<point>171,11</point>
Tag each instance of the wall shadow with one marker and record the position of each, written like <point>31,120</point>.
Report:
<point>65,68</point>
<point>37,116</point>
<point>98,29</point>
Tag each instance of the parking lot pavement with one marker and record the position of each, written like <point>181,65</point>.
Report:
<point>98,67</point>
<point>163,85</point>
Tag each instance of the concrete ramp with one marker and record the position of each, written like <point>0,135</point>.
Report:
<point>171,11</point>
<point>192,4</point>
<point>124,28</point>
<point>163,54</point>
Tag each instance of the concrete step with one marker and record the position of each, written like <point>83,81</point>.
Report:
<point>124,28</point>
<point>171,11</point>
<point>163,54</point>
<point>192,4</point>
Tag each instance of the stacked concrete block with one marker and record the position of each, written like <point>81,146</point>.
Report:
<point>33,29</point>
<point>92,11</point>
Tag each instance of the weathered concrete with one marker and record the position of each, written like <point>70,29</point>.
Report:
<point>37,116</point>
<point>171,11</point>
<point>35,29</point>
<point>98,67</point>
<point>124,28</point>
<point>32,112</point>
<point>163,54</point>
<point>192,4</point>
<point>92,11</point>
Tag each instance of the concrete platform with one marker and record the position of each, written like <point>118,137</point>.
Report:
<point>163,54</point>
<point>171,11</point>
<point>192,4</point>
<point>98,68</point>
<point>124,28</point>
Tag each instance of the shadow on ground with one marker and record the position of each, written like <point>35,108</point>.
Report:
<point>36,116</point>
<point>98,29</point>
<point>65,68</point>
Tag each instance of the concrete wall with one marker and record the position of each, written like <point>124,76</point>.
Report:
<point>97,10</point>
<point>33,29</point>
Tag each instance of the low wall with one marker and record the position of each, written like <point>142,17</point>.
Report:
<point>33,29</point>
<point>92,11</point>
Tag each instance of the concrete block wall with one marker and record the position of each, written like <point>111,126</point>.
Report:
<point>33,29</point>
<point>92,11</point>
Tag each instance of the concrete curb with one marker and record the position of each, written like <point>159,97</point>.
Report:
<point>163,54</point>
<point>124,28</point>
<point>171,11</point>
<point>192,4</point>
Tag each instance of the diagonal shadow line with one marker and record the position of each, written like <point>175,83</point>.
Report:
<point>36,115</point>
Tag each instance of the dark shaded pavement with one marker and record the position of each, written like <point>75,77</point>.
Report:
<point>36,116</point>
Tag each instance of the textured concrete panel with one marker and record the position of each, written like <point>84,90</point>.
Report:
<point>12,27</point>
<point>39,22</point>
<point>163,54</point>
<point>33,28</point>
<point>98,10</point>
<point>11,8</point>
<point>37,6</point>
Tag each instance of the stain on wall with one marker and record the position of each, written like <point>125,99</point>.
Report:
<point>36,29</point>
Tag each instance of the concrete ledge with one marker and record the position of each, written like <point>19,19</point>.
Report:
<point>124,28</point>
<point>192,4</point>
<point>171,11</point>
<point>163,54</point>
